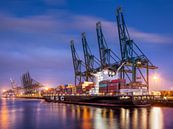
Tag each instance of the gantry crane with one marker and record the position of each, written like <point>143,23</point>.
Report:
<point>133,64</point>
<point>77,64</point>
<point>135,60</point>
<point>15,88</point>
<point>29,84</point>
<point>13,83</point>
<point>108,58</point>
<point>91,62</point>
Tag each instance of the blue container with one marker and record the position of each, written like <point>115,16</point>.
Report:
<point>102,85</point>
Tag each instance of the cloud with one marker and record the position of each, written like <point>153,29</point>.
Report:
<point>150,37</point>
<point>40,43</point>
<point>44,64</point>
<point>28,24</point>
<point>35,59</point>
<point>59,24</point>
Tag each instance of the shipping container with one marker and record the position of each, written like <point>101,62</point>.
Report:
<point>103,89</point>
<point>104,81</point>
<point>118,80</point>
<point>74,90</point>
<point>69,90</point>
<point>113,84</point>
<point>103,85</point>
<point>113,89</point>
<point>89,87</point>
<point>114,81</point>
<point>79,89</point>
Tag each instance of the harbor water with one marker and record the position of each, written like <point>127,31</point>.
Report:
<point>37,114</point>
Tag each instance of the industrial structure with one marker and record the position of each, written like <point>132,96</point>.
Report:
<point>135,60</point>
<point>15,88</point>
<point>133,66</point>
<point>78,64</point>
<point>30,85</point>
<point>29,88</point>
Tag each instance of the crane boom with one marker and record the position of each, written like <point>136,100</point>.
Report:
<point>103,48</point>
<point>89,58</point>
<point>77,63</point>
<point>135,60</point>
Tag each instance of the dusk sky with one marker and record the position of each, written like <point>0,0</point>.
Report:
<point>35,35</point>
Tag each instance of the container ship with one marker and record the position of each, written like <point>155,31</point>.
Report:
<point>115,81</point>
<point>112,92</point>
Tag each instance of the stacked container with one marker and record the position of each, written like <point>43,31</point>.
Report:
<point>103,86</point>
<point>121,83</point>
<point>89,87</point>
<point>79,89</point>
<point>112,86</point>
<point>73,90</point>
<point>69,90</point>
<point>61,89</point>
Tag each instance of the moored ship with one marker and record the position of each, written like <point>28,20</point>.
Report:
<point>109,93</point>
<point>106,101</point>
<point>115,81</point>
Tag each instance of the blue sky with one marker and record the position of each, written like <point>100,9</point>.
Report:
<point>35,35</point>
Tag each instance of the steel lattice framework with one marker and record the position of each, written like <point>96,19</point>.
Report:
<point>133,61</point>
<point>108,58</point>
<point>91,62</point>
<point>77,64</point>
<point>29,84</point>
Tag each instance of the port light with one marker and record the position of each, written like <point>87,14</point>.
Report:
<point>155,77</point>
<point>46,88</point>
<point>4,90</point>
<point>165,98</point>
<point>139,62</point>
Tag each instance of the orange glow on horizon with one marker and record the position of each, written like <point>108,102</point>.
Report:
<point>156,77</point>
<point>156,81</point>
<point>4,90</point>
<point>46,88</point>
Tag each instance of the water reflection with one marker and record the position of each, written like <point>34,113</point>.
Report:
<point>144,118</point>
<point>4,116</point>
<point>124,118</point>
<point>156,118</point>
<point>41,115</point>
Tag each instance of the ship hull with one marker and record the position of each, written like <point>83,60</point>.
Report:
<point>105,101</point>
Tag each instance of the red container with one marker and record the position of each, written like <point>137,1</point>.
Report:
<point>89,87</point>
<point>113,88</point>
<point>115,81</point>
<point>104,82</point>
<point>103,90</point>
<point>122,80</point>
<point>113,84</point>
<point>79,89</point>
<point>124,87</point>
